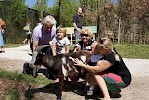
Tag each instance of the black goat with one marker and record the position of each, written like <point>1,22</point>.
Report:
<point>61,65</point>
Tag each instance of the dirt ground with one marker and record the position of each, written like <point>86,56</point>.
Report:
<point>138,89</point>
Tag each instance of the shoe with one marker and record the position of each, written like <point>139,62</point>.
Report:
<point>74,80</point>
<point>115,93</point>
<point>90,92</point>
<point>2,51</point>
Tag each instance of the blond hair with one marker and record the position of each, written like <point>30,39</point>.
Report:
<point>61,28</point>
<point>2,23</point>
<point>87,31</point>
<point>105,42</point>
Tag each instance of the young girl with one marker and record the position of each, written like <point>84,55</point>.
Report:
<point>60,43</point>
<point>2,25</point>
<point>111,74</point>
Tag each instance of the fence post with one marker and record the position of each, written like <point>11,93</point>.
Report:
<point>119,29</point>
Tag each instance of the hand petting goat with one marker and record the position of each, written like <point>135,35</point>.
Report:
<point>78,62</point>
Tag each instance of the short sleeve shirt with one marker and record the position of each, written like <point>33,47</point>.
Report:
<point>61,44</point>
<point>78,20</point>
<point>42,37</point>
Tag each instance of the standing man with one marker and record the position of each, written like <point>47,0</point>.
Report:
<point>77,23</point>
<point>43,34</point>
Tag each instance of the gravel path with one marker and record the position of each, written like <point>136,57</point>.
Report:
<point>20,53</point>
<point>139,68</point>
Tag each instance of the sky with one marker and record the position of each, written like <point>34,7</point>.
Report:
<point>30,3</point>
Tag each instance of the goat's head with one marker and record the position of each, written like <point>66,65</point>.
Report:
<point>85,55</point>
<point>37,54</point>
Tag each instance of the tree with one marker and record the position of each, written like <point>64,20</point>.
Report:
<point>134,14</point>
<point>16,14</point>
<point>67,11</point>
<point>41,6</point>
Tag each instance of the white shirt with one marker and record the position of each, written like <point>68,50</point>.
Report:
<point>61,44</point>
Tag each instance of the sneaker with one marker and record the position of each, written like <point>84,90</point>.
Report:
<point>115,93</point>
<point>90,92</point>
<point>2,51</point>
<point>74,80</point>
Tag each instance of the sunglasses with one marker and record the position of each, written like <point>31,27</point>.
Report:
<point>86,35</point>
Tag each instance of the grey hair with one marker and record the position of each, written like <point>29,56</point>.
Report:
<point>49,19</point>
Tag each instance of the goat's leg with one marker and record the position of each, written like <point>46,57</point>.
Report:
<point>35,69</point>
<point>61,84</point>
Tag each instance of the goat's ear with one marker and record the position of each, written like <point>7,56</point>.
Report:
<point>30,54</point>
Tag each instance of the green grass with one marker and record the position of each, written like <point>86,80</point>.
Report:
<point>11,94</point>
<point>12,45</point>
<point>27,78</point>
<point>133,51</point>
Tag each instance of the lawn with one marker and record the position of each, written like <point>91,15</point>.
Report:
<point>133,51</point>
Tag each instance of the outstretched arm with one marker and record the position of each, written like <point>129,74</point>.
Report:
<point>102,65</point>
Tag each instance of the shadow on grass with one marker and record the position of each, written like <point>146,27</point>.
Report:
<point>52,88</point>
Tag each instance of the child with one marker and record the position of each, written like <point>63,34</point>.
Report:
<point>60,43</point>
<point>89,76</point>
<point>2,25</point>
<point>28,33</point>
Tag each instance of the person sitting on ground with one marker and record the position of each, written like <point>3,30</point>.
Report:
<point>86,43</point>
<point>110,73</point>
<point>60,43</point>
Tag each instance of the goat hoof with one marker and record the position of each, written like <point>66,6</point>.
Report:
<point>24,71</point>
<point>35,75</point>
<point>59,97</point>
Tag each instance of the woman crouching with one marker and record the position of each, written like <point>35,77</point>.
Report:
<point>110,73</point>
